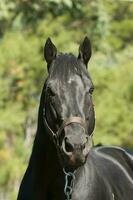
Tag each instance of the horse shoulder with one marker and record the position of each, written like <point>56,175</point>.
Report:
<point>115,166</point>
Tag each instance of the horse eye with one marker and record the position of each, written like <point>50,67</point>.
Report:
<point>50,92</point>
<point>91,90</point>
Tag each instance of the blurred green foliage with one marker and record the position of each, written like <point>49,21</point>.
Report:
<point>24,27</point>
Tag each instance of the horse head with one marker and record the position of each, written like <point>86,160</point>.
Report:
<point>68,108</point>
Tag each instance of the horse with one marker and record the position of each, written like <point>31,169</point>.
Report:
<point>64,163</point>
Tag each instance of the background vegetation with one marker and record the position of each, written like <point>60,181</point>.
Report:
<point>24,27</point>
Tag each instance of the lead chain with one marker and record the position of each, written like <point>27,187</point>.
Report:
<point>68,188</point>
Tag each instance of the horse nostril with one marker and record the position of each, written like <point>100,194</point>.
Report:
<point>68,146</point>
<point>83,146</point>
<point>87,139</point>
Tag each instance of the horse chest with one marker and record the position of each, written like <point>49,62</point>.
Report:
<point>89,186</point>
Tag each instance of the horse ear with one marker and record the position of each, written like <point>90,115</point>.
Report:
<point>85,50</point>
<point>50,51</point>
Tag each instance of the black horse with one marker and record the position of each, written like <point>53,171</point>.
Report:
<point>63,143</point>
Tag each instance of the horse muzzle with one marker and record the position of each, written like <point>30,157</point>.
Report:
<point>75,145</point>
<point>75,155</point>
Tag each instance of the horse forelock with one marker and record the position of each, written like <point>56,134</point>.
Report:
<point>65,66</point>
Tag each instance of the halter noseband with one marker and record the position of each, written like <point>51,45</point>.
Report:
<point>67,122</point>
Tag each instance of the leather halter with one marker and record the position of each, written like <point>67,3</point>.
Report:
<point>71,120</point>
<point>67,122</point>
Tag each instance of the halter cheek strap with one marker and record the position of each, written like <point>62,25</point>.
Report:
<point>52,134</point>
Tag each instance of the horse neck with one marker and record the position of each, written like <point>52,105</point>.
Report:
<point>44,150</point>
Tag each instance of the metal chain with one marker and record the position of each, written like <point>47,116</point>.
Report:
<point>69,185</point>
